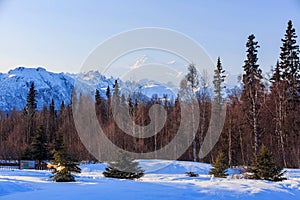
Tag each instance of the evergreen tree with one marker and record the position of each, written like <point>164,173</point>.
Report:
<point>30,108</point>
<point>52,123</point>
<point>219,78</point>
<point>220,166</point>
<point>253,89</point>
<point>264,167</point>
<point>218,101</point>
<point>289,61</point>
<point>62,105</point>
<point>116,94</point>
<point>59,142</point>
<point>277,74</point>
<point>287,91</point>
<point>98,98</point>
<point>108,106</point>
<point>116,88</point>
<point>38,149</point>
<point>98,103</point>
<point>108,94</point>
<point>124,168</point>
<point>26,154</point>
<point>52,108</point>
<point>65,164</point>
<point>31,104</point>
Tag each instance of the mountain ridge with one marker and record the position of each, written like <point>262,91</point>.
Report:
<point>14,86</point>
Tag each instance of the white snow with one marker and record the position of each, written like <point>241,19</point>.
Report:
<point>163,180</point>
<point>11,75</point>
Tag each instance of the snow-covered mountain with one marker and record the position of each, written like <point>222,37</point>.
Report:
<point>14,87</point>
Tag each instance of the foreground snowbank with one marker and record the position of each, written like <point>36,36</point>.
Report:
<point>164,180</point>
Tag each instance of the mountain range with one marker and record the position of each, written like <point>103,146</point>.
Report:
<point>14,87</point>
<point>15,84</point>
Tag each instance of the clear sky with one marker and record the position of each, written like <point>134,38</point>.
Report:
<point>60,34</point>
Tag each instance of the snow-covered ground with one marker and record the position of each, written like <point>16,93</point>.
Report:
<point>163,180</point>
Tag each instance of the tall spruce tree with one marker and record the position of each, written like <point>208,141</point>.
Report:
<point>98,98</point>
<point>98,102</point>
<point>218,81</point>
<point>252,94</point>
<point>108,93</point>
<point>30,108</point>
<point>289,61</point>
<point>288,89</point>
<point>219,78</point>
<point>31,104</point>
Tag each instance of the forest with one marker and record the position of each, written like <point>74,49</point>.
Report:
<point>265,110</point>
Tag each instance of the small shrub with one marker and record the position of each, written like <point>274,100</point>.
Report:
<point>124,168</point>
<point>64,167</point>
<point>220,166</point>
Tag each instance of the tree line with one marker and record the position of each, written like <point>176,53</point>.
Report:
<point>264,111</point>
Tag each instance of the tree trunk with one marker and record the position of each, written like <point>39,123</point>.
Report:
<point>281,133</point>
<point>194,135</point>
<point>229,144</point>
<point>242,147</point>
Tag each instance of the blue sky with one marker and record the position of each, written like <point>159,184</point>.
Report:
<point>60,34</point>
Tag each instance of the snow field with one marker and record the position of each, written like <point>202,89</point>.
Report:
<point>163,180</point>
